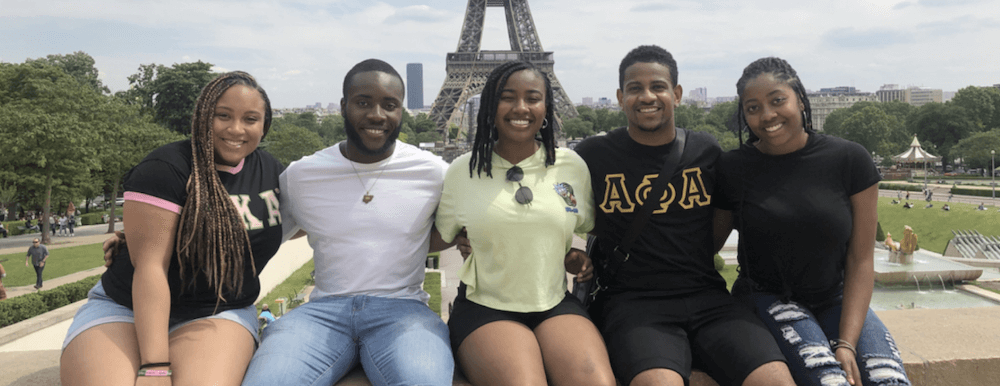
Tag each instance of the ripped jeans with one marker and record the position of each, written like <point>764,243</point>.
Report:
<point>803,332</point>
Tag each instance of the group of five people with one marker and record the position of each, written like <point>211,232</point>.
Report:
<point>206,214</point>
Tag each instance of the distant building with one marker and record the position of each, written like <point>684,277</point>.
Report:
<point>921,96</point>
<point>415,86</point>
<point>717,100</point>
<point>838,90</point>
<point>699,94</point>
<point>825,103</point>
<point>588,101</point>
<point>333,107</point>
<point>915,96</point>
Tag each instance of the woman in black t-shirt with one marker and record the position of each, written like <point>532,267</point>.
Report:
<point>176,307</point>
<point>805,206</point>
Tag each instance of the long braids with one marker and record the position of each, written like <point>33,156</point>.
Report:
<point>486,130</point>
<point>781,71</point>
<point>211,238</point>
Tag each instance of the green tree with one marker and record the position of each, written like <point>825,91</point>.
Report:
<point>727,140</point>
<point>979,103</point>
<point>720,115</point>
<point>939,127</point>
<point>290,143</point>
<point>975,150</point>
<point>169,92</point>
<point>423,123</point>
<point>127,136</point>
<point>428,136</point>
<point>332,129</point>
<point>49,125</point>
<point>877,131</point>
<point>587,113</point>
<point>578,128</point>
<point>79,65</point>
<point>688,116</point>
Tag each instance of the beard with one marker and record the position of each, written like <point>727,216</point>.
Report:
<point>355,138</point>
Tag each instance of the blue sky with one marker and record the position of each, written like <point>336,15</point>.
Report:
<point>300,50</point>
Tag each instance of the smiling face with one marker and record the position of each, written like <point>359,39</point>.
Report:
<point>648,100</point>
<point>372,115</point>
<point>774,114</point>
<point>237,124</point>
<point>521,109</point>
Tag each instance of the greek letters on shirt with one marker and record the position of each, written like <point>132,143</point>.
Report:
<point>251,222</point>
<point>617,197</point>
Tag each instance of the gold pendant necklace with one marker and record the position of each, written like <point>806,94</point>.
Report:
<point>368,196</point>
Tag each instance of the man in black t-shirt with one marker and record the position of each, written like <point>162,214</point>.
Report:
<point>666,308</point>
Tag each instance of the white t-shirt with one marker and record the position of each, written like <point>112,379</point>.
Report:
<point>375,249</point>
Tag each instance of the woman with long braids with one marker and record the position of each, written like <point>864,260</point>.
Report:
<point>520,199</point>
<point>176,306</point>
<point>804,204</point>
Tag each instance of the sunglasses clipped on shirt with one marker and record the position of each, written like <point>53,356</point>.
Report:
<point>523,194</point>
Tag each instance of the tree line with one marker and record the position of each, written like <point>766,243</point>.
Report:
<point>964,128</point>
<point>715,121</point>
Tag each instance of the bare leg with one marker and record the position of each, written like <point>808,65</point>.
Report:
<point>573,352</point>
<point>502,353</point>
<point>770,373</point>
<point>107,354</point>
<point>658,377</point>
<point>210,352</point>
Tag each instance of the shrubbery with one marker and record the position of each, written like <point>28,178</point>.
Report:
<point>972,192</point>
<point>889,186</point>
<point>27,306</point>
<point>92,218</point>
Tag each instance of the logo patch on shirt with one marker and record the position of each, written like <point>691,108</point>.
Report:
<point>565,190</point>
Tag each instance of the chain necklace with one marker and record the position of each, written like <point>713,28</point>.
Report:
<point>368,196</point>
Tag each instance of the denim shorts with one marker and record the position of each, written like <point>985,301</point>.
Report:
<point>101,309</point>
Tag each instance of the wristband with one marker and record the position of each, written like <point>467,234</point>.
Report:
<point>154,373</point>
<point>841,343</point>
<point>154,364</point>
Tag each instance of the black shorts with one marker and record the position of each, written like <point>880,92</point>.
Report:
<point>467,316</point>
<point>709,331</point>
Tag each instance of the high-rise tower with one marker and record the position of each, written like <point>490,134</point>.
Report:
<point>468,67</point>
<point>414,86</point>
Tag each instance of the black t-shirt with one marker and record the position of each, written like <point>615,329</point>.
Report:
<point>164,174</point>
<point>674,251</point>
<point>793,212</point>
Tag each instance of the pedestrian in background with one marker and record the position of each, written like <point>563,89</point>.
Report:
<point>37,254</point>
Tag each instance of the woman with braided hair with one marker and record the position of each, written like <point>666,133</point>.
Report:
<point>201,215</point>
<point>804,204</point>
<point>521,199</point>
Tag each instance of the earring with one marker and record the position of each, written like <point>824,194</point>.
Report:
<point>545,122</point>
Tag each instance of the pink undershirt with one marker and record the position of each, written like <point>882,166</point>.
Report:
<point>164,204</point>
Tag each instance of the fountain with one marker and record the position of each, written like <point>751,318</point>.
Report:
<point>901,267</point>
<point>902,264</point>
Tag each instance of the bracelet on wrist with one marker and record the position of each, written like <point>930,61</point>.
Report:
<point>841,343</point>
<point>155,373</point>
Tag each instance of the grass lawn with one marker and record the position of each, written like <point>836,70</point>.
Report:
<point>729,273</point>
<point>933,226</point>
<point>289,288</point>
<point>299,279</point>
<point>432,284</point>
<point>61,262</point>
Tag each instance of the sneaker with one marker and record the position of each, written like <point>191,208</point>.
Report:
<point>37,287</point>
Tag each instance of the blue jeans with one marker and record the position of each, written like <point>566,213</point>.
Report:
<point>397,342</point>
<point>804,331</point>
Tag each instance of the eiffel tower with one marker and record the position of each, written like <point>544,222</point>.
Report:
<point>469,66</point>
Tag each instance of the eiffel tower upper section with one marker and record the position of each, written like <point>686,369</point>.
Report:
<point>468,67</point>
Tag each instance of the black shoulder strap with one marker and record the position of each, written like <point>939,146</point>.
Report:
<point>624,249</point>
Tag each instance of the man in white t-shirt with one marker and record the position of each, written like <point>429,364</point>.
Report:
<point>367,205</point>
